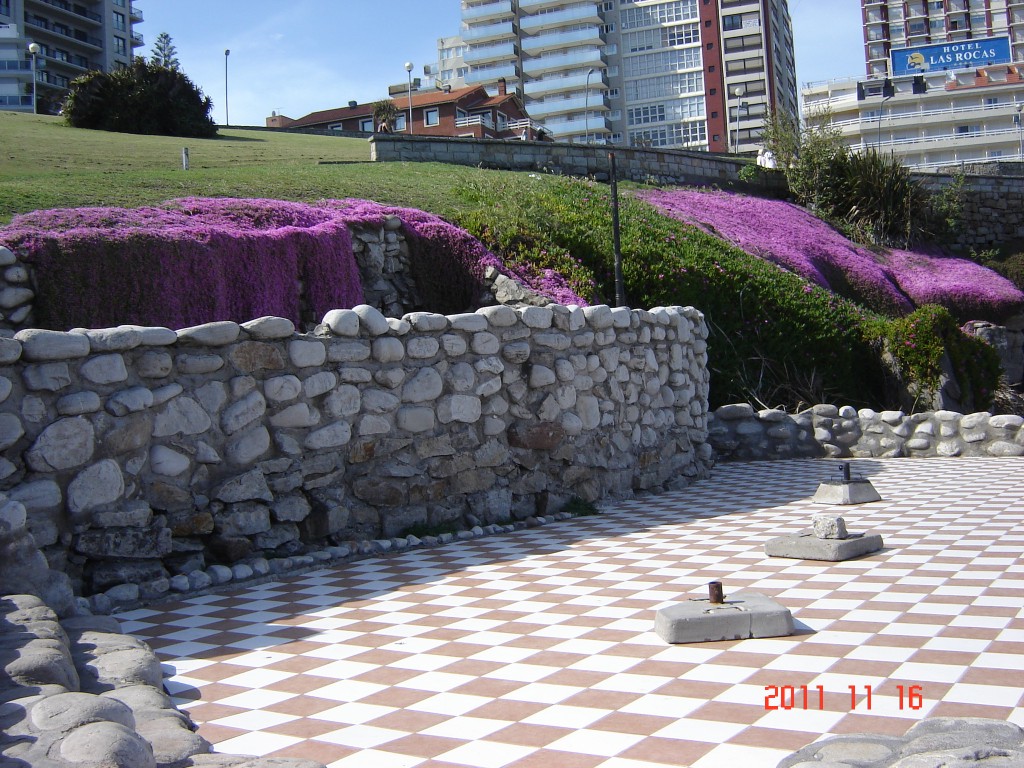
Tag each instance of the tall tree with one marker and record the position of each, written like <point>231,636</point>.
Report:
<point>164,52</point>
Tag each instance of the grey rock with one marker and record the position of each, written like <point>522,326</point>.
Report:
<point>304,353</point>
<point>105,369</point>
<point>269,328</point>
<point>97,486</point>
<point>65,444</point>
<point>216,334</point>
<point>130,400</point>
<point>77,404</point>
<point>109,745</point>
<point>250,486</point>
<point>40,345</point>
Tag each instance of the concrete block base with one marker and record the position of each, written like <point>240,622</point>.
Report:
<point>743,615</point>
<point>853,492</point>
<point>807,546</point>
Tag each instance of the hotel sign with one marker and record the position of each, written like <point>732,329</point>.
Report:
<point>963,54</point>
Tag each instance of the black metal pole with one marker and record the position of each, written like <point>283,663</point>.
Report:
<point>620,293</point>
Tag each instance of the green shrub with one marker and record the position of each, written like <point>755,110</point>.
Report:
<point>144,98</point>
<point>917,344</point>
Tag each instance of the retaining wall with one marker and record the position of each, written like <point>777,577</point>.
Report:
<point>145,454</point>
<point>739,433</point>
<point>661,166</point>
<point>993,208</point>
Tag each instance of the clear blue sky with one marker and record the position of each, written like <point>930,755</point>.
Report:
<point>300,56</point>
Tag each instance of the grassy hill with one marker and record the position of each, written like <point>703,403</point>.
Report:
<point>46,164</point>
<point>775,339</point>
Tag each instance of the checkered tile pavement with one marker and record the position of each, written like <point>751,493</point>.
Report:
<point>537,648</point>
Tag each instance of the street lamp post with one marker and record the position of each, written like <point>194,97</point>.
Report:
<point>1019,119</point>
<point>34,49</point>
<point>737,92</point>
<point>227,113</point>
<point>586,106</point>
<point>408,71</point>
<point>878,135</point>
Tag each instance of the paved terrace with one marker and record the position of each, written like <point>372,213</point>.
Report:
<point>536,648</point>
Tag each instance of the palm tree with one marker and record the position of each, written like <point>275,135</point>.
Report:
<point>384,115</point>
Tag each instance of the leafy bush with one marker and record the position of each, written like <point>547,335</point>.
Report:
<point>917,343</point>
<point>144,98</point>
<point>882,200</point>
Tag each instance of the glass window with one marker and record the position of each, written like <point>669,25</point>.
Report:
<point>119,21</point>
<point>431,117</point>
<point>366,125</point>
<point>400,122</point>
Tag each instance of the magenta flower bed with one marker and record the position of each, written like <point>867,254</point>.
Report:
<point>194,261</point>
<point>893,283</point>
<point>186,262</point>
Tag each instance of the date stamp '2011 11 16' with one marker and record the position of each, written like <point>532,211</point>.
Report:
<point>813,697</point>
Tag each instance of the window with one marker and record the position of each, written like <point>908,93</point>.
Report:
<point>120,21</point>
<point>366,125</point>
<point>400,122</point>
<point>656,15</point>
<point>665,85</point>
<point>120,46</point>
<point>670,135</point>
<point>431,117</point>
<point>666,61</point>
<point>335,127</point>
<point>732,21</point>
<point>5,7</point>
<point>613,93</point>
<point>608,28</point>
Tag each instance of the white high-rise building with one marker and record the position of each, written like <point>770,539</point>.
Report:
<point>697,74</point>
<point>944,83</point>
<point>72,38</point>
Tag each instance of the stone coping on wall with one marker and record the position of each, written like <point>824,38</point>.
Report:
<point>738,432</point>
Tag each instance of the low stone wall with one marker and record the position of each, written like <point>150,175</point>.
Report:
<point>661,166</point>
<point>739,433</point>
<point>993,208</point>
<point>144,455</point>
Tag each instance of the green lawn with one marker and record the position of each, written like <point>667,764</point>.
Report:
<point>46,164</point>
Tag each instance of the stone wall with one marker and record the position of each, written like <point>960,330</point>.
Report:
<point>739,433</point>
<point>993,208</point>
<point>661,166</point>
<point>144,455</point>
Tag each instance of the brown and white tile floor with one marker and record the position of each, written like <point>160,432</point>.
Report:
<point>536,648</point>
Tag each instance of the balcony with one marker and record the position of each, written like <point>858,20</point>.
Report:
<point>536,5</point>
<point>491,74</point>
<point>504,29</point>
<point>65,33</point>
<point>544,109</point>
<point>469,120</point>
<point>15,65</point>
<point>81,13</point>
<point>490,10</point>
<point>555,40</point>
<point>559,18</point>
<point>562,128</point>
<point>136,15</point>
<point>138,40</point>
<point>572,83</point>
<point>588,57</point>
<point>483,53</point>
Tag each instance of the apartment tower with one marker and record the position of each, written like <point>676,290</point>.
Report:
<point>944,83</point>
<point>72,38</point>
<point>689,74</point>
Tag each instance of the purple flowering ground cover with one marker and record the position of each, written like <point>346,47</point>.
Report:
<point>193,261</point>
<point>891,282</point>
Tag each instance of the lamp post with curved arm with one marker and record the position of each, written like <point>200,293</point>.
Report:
<point>227,114</point>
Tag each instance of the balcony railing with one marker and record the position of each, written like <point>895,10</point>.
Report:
<point>477,54</point>
<point>469,120</point>
<point>70,34</point>
<point>532,5</point>
<point>138,40</point>
<point>591,56</point>
<point>491,74</point>
<point>1010,134</point>
<point>487,10</point>
<point>580,125</point>
<point>136,14</point>
<point>80,12</point>
<point>15,65</point>
<point>557,18</point>
<point>920,115</point>
<point>554,40</point>
<point>488,32</point>
<point>561,106</point>
<point>571,83</point>
<point>15,101</point>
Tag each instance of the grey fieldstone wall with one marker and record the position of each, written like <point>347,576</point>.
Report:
<point>993,208</point>
<point>740,433</point>
<point>662,166</point>
<point>151,460</point>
